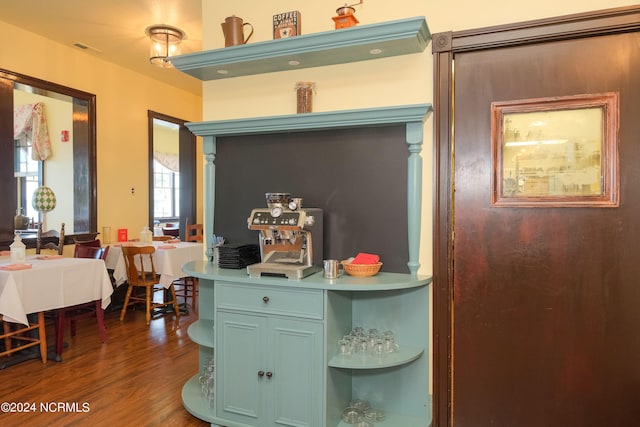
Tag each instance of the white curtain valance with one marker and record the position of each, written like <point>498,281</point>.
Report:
<point>170,161</point>
<point>30,127</point>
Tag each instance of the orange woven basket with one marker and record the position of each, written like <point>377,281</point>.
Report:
<point>361,270</point>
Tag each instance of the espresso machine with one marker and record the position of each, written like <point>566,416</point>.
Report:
<point>290,238</point>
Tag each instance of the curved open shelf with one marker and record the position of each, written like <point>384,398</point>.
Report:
<point>333,47</point>
<point>194,401</point>
<point>369,361</point>
<point>201,332</point>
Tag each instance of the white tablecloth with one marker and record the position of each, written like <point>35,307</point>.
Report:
<point>168,262</point>
<point>50,284</point>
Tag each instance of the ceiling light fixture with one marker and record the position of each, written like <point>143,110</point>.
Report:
<point>165,43</point>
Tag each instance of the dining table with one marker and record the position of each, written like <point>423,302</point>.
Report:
<point>49,282</point>
<point>168,259</point>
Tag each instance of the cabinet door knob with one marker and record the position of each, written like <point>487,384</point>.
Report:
<point>265,299</point>
<point>269,374</point>
<point>261,374</point>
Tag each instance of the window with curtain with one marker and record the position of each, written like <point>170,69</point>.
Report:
<point>30,128</point>
<point>166,192</point>
<point>28,174</point>
<point>166,171</point>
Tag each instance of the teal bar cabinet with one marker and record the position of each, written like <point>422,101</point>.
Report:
<point>275,341</point>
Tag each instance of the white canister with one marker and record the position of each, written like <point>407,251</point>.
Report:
<point>146,236</point>
<point>18,251</point>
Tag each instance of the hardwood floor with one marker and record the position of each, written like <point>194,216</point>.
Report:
<point>135,378</point>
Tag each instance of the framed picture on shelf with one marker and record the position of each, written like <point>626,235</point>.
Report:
<point>287,24</point>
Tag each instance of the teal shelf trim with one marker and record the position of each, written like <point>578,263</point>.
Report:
<point>359,43</point>
<point>313,121</point>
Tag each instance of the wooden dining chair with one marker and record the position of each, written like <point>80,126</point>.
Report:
<point>187,287</point>
<point>59,247</point>
<point>141,273</point>
<point>18,337</point>
<point>174,233</point>
<point>90,309</point>
<point>95,243</point>
<point>193,232</point>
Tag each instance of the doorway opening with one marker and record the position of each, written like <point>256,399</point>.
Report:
<point>172,174</point>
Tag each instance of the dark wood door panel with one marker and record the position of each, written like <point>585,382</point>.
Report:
<point>545,324</point>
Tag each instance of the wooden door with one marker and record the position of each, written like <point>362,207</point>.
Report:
<point>541,312</point>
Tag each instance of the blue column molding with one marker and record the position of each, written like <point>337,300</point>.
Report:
<point>209,149</point>
<point>414,194</point>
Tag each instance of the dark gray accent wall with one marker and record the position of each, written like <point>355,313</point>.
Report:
<point>358,177</point>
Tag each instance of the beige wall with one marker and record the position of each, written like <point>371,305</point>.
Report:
<point>385,82</point>
<point>123,98</point>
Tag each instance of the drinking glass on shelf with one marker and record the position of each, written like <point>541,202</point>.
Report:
<point>344,346</point>
<point>355,339</point>
<point>363,345</point>
<point>204,384</point>
<point>374,415</point>
<point>389,345</point>
<point>352,415</point>
<point>372,338</point>
<point>206,380</point>
<point>363,405</point>
<point>378,347</point>
<point>210,393</point>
